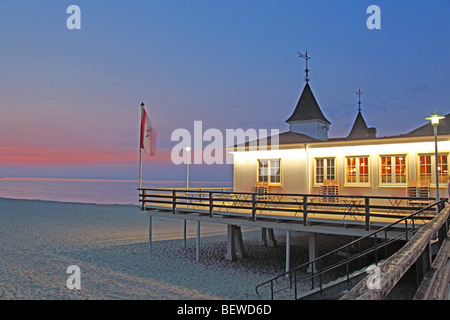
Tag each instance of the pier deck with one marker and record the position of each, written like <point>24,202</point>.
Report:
<point>309,210</point>
<point>313,214</point>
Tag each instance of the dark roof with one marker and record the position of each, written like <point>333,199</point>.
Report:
<point>359,129</point>
<point>284,138</point>
<point>357,133</point>
<point>428,130</point>
<point>307,108</point>
<point>290,137</point>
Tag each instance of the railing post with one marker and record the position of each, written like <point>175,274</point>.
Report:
<point>210,204</point>
<point>442,232</point>
<point>305,210</point>
<point>385,246</point>
<point>367,212</point>
<point>320,276</point>
<point>143,198</point>
<point>295,284</point>
<point>376,248</point>
<point>253,207</point>
<point>347,270</point>
<point>174,201</point>
<point>423,263</point>
<point>406,229</point>
<point>271,290</point>
<point>440,206</point>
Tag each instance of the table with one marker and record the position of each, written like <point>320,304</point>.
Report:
<point>352,209</point>
<point>395,203</point>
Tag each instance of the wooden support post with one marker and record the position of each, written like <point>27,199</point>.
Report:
<point>253,207</point>
<point>367,212</point>
<point>305,210</point>
<point>231,245</point>
<point>211,205</point>
<point>423,264</point>
<point>174,201</point>
<point>288,250</point>
<point>263,236</point>
<point>235,244</point>
<point>197,251</point>
<point>312,251</point>
<point>240,250</point>
<point>442,234</point>
<point>271,242</point>
<point>150,234</point>
<point>184,233</point>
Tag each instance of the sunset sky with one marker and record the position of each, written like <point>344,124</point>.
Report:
<point>69,99</point>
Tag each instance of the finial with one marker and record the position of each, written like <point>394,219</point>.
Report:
<point>359,93</point>
<point>305,56</point>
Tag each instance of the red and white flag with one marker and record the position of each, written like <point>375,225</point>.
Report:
<point>148,134</point>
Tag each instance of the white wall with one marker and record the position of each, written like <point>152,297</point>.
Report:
<point>411,150</point>
<point>297,167</point>
<point>293,170</point>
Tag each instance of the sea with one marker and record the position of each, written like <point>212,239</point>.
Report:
<point>98,191</point>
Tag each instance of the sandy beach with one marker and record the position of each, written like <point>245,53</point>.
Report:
<point>41,239</point>
<point>109,243</point>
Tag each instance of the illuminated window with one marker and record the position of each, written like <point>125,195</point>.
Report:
<point>393,170</point>
<point>324,170</point>
<point>357,170</point>
<point>386,176</point>
<point>443,168</point>
<point>427,168</point>
<point>269,170</point>
<point>400,169</point>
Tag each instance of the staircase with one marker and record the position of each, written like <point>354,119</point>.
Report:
<point>342,268</point>
<point>336,287</point>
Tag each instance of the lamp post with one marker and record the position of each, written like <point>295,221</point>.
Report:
<point>435,122</point>
<point>188,149</point>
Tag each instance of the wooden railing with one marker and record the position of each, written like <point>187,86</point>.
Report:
<point>217,201</point>
<point>416,251</point>
<point>330,267</point>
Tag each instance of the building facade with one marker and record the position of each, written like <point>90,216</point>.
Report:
<point>359,164</point>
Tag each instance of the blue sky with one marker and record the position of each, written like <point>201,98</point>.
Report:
<point>232,64</point>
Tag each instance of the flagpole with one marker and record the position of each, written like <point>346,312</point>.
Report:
<point>140,150</point>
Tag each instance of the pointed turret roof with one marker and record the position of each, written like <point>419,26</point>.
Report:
<point>359,129</point>
<point>307,108</point>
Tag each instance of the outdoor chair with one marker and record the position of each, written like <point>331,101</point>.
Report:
<point>261,189</point>
<point>329,188</point>
<point>418,189</point>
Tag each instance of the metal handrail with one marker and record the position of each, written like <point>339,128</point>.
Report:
<point>263,202</point>
<point>284,194</point>
<point>292,274</point>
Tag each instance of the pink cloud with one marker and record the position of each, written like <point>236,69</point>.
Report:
<point>45,156</point>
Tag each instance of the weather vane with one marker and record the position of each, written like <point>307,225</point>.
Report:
<point>305,56</point>
<point>359,93</point>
